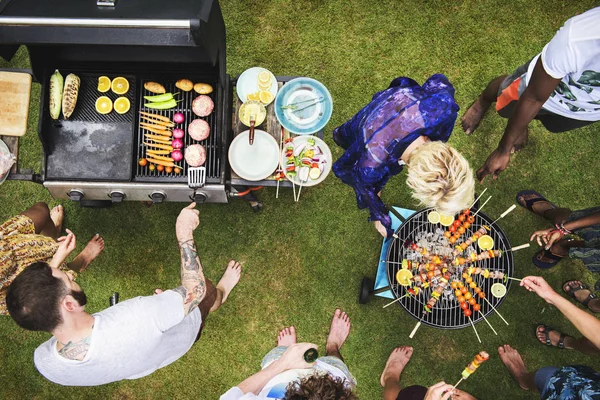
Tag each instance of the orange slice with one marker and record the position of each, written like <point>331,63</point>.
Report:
<point>122,105</point>
<point>104,105</point>
<point>103,84</point>
<point>120,85</point>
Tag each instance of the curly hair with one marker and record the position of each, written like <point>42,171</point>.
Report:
<point>319,387</point>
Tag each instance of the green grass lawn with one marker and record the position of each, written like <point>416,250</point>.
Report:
<point>302,260</point>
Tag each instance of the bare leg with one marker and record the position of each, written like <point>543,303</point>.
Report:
<point>557,215</point>
<point>513,361</point>
<point>228,281</point>
<point>585,346</point>
<point>339,331</point>
<point>46,223</point>
<point>471,119</point>
<point>287,337</point>
<point>390,377</point>
<point>89,253</point>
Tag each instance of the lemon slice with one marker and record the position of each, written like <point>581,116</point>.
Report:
<point>120,85</point>
<point>485,242</point>
<point>253,96</point>
<point>446,220</point>
<point>498,290</point>
<point>264,77</point>
<point>266,97</point>
<point>103,84</point>
<point>433,217</point>
<point>403,277</point>
<point>104,105</point>
<point>122,105</point>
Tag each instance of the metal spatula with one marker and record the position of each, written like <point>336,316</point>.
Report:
<point>196,177</point>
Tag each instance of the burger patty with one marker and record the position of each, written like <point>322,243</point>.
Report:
<point>202,106</point>
<point>195,155</point>
<point>199,129</point>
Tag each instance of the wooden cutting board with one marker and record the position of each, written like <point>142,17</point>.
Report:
<point>15,89</point>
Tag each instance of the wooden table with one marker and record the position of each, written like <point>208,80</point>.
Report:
<point>272,127</point>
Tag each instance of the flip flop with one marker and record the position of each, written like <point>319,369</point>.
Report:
<point>576,289</point>
<point>529,203</point>
<point>547,330</point>
<point>555,259</point>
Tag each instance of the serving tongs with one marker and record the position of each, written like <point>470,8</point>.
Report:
<point>295,107</point>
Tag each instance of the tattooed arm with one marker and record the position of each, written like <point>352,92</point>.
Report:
<point>193,286</point>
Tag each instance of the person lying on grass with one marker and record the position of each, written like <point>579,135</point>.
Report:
<point>584,224</point>
<point>127,341</point>
<point>587,324</point>
<point>560,87</point>
<point>390,380</point>
<point>285,373</point>
<point>405,124</point>
<point>33,236</point>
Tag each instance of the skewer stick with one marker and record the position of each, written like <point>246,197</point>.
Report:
<point>461,379</point>
<point>299,190</point>
<point>514,279</point>
<point>484,203</point>
<point>494,308</point>
<point>505,213</point>
<point>398,299</point>
<point>277,191</point>
<point>478,198</point>
<point>473,325</point>
<point>280,158</point>
<point>490,325</point>
<point>412,334</point>
<point>523,246</point>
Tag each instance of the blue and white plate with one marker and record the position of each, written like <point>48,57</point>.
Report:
<point>303,106</point>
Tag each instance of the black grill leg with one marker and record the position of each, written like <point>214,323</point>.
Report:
<point>366,288</point>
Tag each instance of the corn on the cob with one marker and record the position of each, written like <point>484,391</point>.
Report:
<point>56,93</point>
<point>70,93</point>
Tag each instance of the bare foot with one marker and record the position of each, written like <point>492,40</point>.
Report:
<point>89,253</point>
<point>554,337</point>
<point>57,215</point>
<point>395,364</point>
<point>471,119</point>
<point>340,328</point>
<point>287,337</point>
<point>582,294</point>
<point>513,361</point>
<point>229,279</point>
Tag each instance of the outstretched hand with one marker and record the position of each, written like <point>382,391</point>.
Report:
<point>293,358</point>
<point>440,390</point>
<point>538,285</point>
<point>187,221</point>
<point>548,236</point>
<point>380,228</point>
<point>66,245</point>
<point>496,163</point>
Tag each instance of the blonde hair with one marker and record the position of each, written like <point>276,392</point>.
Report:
<point>440,177</point>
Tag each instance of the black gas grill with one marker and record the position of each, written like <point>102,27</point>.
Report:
<point>93,156</point>
<point>447,313</point>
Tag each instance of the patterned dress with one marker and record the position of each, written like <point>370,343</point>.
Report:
<point>376,137</point>
<point>573,382</point>
<point>20,246</point>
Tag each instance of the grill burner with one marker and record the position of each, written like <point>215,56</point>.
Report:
<point>212,143</point>
<point>447,313</point>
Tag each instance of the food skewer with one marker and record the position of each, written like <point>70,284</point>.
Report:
<point>514,279</point>
<point>278,173</point>
<point>494,308</point>
<point>299,190</point>
<point>479,359</point>
<point>473,325</point>
<point>471,206</point>
<point>412,334</point>
<point>523,246</point>
<point>484,203</point>
<point>505,213</point>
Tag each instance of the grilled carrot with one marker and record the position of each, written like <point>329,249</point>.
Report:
<point>158,123</point>
<point>159,146</point>
<point>157,157</point>
<point>158,152</point>
<point>158,138</point>
<point>162,162</point>
<point>166,134</point>
<point>157,127</point>
<point>162,118</point>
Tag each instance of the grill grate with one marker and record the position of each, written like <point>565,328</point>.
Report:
<point>212,143</point>
<point>447,313</point>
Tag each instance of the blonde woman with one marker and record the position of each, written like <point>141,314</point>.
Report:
<point>406,124</point>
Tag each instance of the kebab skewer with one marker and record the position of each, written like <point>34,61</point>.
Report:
<point>479,359</point>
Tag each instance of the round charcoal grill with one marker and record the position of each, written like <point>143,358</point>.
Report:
<point>447,313</point>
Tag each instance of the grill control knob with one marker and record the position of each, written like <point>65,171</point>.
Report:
<point>117,196</point>
<point>158,197</point>
<point>199,197</point>
<point>75,195</point>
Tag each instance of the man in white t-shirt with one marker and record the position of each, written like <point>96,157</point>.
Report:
<point>287,374</point>
<point>560,87</point>
<point>127,341</point>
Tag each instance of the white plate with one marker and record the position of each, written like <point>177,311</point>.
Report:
<point>248,83</point>
<point>299,140</point>
<point>4,150</point>
<point>256,162</point>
